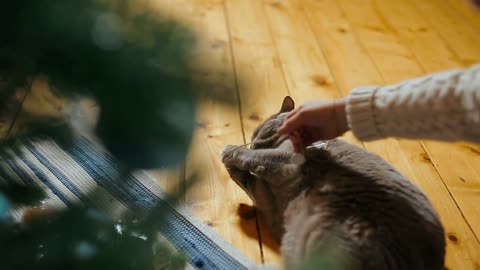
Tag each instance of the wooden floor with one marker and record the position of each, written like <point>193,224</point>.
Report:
<point>319,49</point>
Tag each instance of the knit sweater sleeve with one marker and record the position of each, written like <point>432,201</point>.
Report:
<point>443,106</point>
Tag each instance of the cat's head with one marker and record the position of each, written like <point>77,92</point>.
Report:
<point>270,197</point>
<point>265,135</point>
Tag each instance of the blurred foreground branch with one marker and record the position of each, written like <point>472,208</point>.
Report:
<point>136,65</point>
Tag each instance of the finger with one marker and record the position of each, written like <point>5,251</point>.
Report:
<point>309,142</point>
<point>298,143</point>
<point>291,124</point>
<point>289,115</point>
<point>292,113</point>
<point>296,146</point>
<point>311,136</point>
<point>294,139</point>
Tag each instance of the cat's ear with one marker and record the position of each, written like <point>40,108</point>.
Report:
<point>288,105</point>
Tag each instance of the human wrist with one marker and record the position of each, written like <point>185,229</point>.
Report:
<point>361,113</point>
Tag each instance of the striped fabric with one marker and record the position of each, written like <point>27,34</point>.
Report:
<point>68,175</point>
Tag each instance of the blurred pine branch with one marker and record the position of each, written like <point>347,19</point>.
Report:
<point>135,64</point>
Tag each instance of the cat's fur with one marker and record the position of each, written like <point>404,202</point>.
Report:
<point>336,196</point>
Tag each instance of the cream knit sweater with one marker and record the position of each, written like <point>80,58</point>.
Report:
<point>444,106</point>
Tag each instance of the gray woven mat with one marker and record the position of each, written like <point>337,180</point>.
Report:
<point>68,174</point>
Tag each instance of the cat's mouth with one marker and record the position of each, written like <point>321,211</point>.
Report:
<point>242,178</point>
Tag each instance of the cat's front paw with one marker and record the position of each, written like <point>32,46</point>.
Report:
<point>228,153</point>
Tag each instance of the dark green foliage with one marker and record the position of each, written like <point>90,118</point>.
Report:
<point>82,239</point>
<point>136,65</point>
<point>22,195</point>
<point>132,61</point>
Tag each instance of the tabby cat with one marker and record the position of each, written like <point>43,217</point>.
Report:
<point>336,197</point>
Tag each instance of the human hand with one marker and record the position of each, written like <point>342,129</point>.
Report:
<point>315,121</point>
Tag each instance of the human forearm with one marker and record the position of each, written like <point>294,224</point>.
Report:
<point>444,106</point>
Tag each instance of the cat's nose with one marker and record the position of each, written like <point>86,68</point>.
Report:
<point>228,152</point>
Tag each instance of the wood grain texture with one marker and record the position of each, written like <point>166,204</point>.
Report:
<point>312,49</point>
<point>458,165</point>
<point>11,106</point>
<point>304,65</point>
<point>214,198</point>
<point>40,103</point>
<point>468,10</point>
<point>460,35</point>
<point>395,62</point>
<point>257,59</point>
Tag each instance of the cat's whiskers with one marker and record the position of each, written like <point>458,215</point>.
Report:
<point>240,146</point>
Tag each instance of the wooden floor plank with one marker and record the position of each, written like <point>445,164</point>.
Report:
<point>467,9</point>
<point>458,165</point>
<point>454,163</point>
<point>306,70</point>
<point>411,29</point>
<point>214,198</point>
<point>394,70</point>
<point>460,36</point>
<point>40,103</point>
<point>376,50</point>
<point>257,60</point>
<point>304,67</point>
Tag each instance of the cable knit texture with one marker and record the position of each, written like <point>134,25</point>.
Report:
<point>443,106</point>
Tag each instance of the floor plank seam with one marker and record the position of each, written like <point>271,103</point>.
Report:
<point>260,240</point>
<point>464,16</point>
<point>354,31</point>
<point>318,43</point>
<point>457,57</point>
<point>424,147</point>
<point>452,197</point>
<point>468,15</point>
<point>398,38</point>
<point>20,107</point>
<point>242,126</point>
<point>359,42</point>
<point>234,68</point>
<point>275,45</point>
